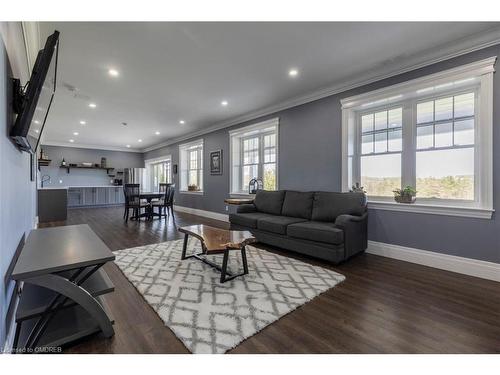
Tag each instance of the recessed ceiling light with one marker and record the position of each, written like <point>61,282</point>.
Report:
<point>182,122</point>
<point>36,122</point>
<point>83,122</point>
<point>293,72</point>
<point>75,133</point>
<point>139,140</point>
<point>92,105</point>
<point>157,133</point>
<point>128,146</point>
<point>71,140</point>
<point>224,103</point>
<point>113,72</point>
<point>37,131</point>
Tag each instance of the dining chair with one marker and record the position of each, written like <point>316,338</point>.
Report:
<point>132,200</point>
<point>167,201</point>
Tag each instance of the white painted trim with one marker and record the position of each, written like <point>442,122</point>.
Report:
<point>92,147</point>
<point>158,159</point>
<point>419,208</point>
<point>257,126</point>
<point>466,266</point>
<point>209,214</point>
<point>475,69</point>
<point>435,55</point>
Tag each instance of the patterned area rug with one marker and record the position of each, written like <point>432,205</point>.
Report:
<point>209,317</point>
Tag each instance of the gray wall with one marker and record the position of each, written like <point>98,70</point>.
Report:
<point>86,177</point>
<point>17,192</point>
<point>310,159</point>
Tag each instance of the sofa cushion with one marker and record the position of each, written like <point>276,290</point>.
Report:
<point>316,231</point>
<point>269,202</point>
<point>298,204</point>
<point>247,219</point>
<point>327,206</point>
<point>277,224</point>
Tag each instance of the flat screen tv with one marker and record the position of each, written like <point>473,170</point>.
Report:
<point>32,104</point>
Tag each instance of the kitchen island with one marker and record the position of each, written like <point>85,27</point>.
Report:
<point>82,196</point>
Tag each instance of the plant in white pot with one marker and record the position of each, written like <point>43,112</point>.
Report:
<point>406,195</point>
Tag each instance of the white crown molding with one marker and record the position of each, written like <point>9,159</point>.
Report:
<point>432,56</point>
<point>92,147</point>
<point>466,266</point>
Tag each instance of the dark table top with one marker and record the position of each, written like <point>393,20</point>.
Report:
<point>50,250</point>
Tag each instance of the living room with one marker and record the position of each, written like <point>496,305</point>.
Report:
<point>167,190</point>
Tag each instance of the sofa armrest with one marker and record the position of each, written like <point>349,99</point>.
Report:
<point>355,233</point>
<point>246,208</point>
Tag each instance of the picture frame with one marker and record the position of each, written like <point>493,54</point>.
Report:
<point>216,162</point>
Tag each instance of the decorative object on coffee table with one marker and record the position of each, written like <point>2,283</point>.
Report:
<point>216,162</point>
<point>218,241</point>
<point>406,195</point>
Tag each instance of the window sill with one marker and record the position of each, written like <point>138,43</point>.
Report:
<point>191,192</point>
<point>433,209</point>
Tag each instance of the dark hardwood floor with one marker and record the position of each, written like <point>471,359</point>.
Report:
<point>383,306</point>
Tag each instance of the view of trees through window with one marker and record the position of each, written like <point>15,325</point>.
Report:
<point>444,156</point>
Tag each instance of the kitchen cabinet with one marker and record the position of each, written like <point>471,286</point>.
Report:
<point>95,196</point>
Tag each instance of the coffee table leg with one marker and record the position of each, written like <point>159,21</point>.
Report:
<point>224,266</point>
<point>184,246</point>
<point>244,259</point>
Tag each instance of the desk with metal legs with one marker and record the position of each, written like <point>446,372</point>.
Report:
<point>61,281</point>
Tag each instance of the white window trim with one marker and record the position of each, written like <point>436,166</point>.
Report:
<point>240,132</point>
<point>148,164</point>
<point>182,148</point>
<point>481,71</point>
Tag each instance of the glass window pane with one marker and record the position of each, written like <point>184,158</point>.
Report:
<point>464,132</point>
<point>396,118</point>
<point>381,120</point>
<point>464,105</point>
<point>395,140</point>
<point>425,137</point>
<point>367,123</point>
<point>269,155</point>
<point>443,135</point>
<point>444,109</point>
<point>381,174</point>
<point>193,178</point>
<point>269,176</point>
<point>367,144</point>
<point>446,174</point>
<point>270,140</point>
<point>425,112</point>
<point>381,142</point>
<point>249,172</point>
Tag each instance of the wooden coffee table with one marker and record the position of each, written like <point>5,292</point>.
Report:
<point>218,241</point>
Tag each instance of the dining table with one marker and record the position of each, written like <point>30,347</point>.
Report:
<point>149,196</point>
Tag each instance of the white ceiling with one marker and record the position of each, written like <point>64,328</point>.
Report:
<point>174,71</point>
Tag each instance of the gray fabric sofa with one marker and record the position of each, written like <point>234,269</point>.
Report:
<point>326,225</point>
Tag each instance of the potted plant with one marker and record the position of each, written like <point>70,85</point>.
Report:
<point>193,187</point>
<point>359,189</point>
<point>406,195</point>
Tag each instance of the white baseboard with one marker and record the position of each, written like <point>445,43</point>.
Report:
<point>467,266</point>
<point>209,214</point>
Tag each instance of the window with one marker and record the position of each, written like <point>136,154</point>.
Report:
<point>254,151</point>
<point>381,146</point>
<point>445,147</point>
<point>191,167</point>
<point>432,133</point>
<point>158,171</point>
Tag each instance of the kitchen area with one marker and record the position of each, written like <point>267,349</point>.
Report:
<point>79,178</point>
